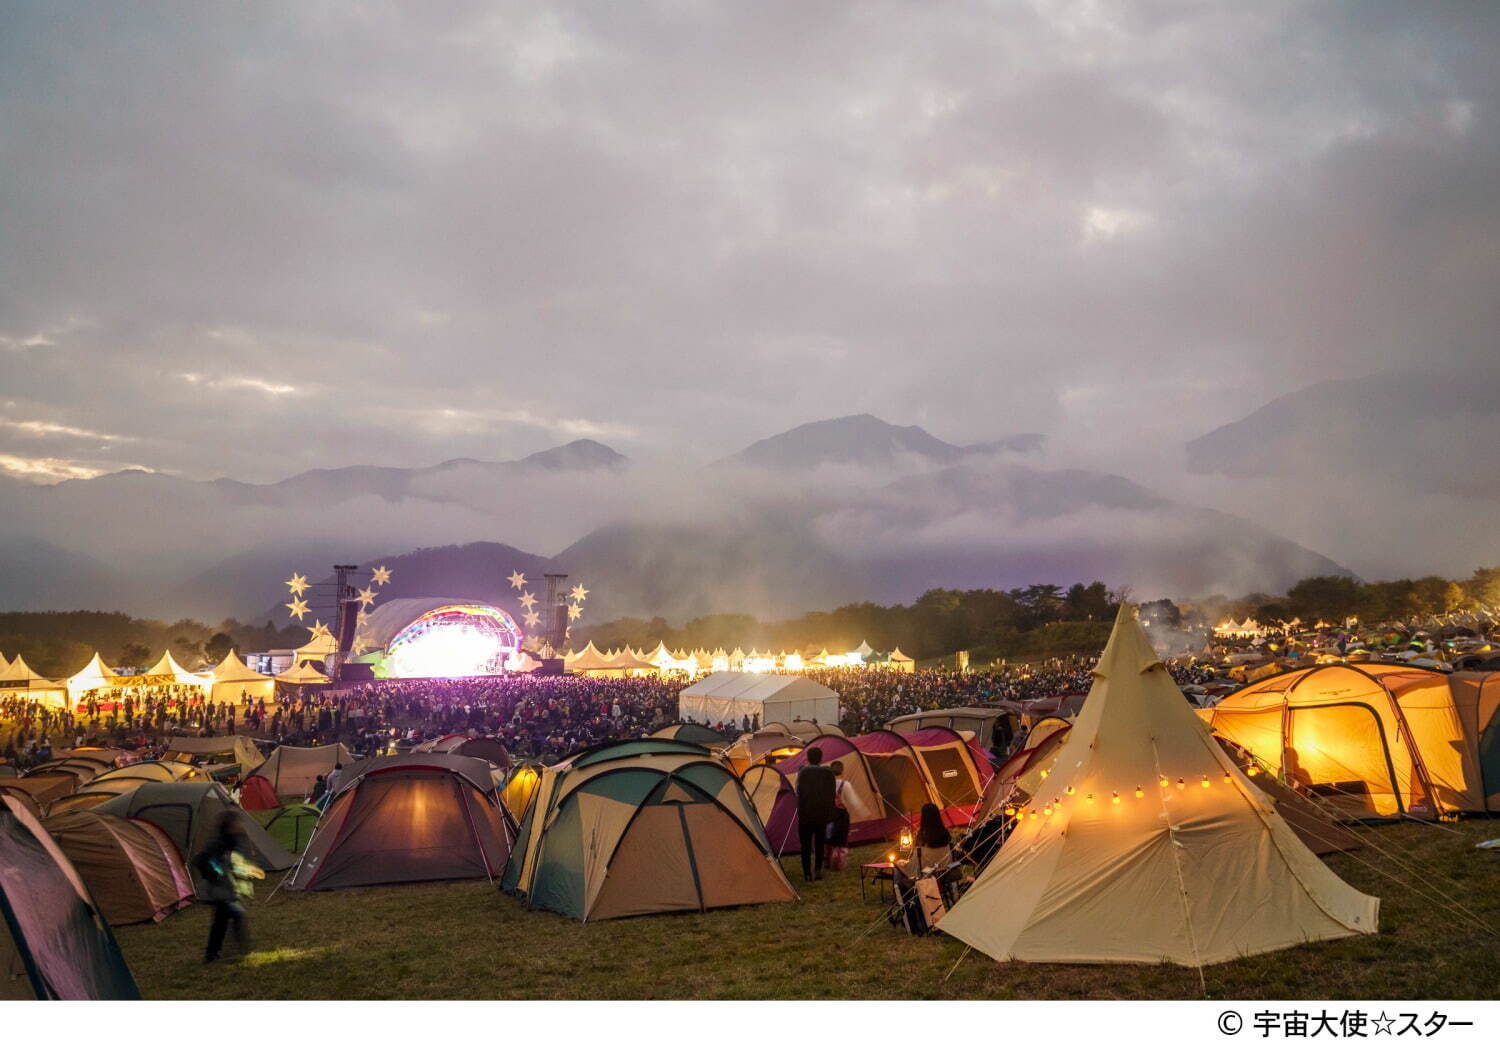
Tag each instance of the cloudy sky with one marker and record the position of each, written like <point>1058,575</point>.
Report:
<point>249,240</point>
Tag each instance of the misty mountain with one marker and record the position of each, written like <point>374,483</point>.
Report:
<point>38,576</point>
<point>865,441</point>
<point>1432,430</point>
<point>646,542</point>
<point>968,526</point>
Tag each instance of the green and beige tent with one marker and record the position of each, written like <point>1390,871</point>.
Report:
<point>640,827</point>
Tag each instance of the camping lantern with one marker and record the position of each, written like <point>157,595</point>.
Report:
<point>906,839</point>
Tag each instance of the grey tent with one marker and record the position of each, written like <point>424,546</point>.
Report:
<point>190,814</point>
<point>409,818</point>
<point>54,943</point>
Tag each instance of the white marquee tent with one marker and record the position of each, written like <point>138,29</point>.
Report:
<point>728,696</point>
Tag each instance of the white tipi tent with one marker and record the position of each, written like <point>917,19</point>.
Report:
<point>1144,844</point>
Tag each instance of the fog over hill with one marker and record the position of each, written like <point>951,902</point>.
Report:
<point>844,510</point>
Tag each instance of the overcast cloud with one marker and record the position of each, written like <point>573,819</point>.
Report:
<point>249,240</point>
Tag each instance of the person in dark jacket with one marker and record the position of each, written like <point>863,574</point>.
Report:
<point>816,792</point>
<point>215,863</point>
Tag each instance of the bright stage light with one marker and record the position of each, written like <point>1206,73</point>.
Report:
<point>457,641</point>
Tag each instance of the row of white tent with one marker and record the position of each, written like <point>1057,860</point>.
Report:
<point>625,661</point>
<point>226,681</point>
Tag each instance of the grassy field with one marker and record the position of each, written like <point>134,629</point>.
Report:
<point>469,941</point>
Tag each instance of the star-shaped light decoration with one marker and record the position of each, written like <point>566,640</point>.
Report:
<point>528,600</point>
<point>298,608</point>
<point>319,628</point>
<point>380,576</point>
<point>366,597</point>
<point>359,619</point>
<point>578,593</point>
<point>575,611</point>
<point>531,619</point>
<point>517,580</point>
<point>297,584</point>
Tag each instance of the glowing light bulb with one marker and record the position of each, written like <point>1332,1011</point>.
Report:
<point>1033,814</point>
<point>1044,774</point>
<point>1010,811</point>
<point>1164,782</point>
<point>1181,784</point>
<point>1226,778</point>
<point>1205,780</point>
<point>1115,797</point>
<point>1139,793</point>
<point>1253,771</point>
<point>1070,789</point>
<point>1046,811</point>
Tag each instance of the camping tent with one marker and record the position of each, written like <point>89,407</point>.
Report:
<point>753,748</point>
<point>639,827</point>
<point>409,818</point>
<point>1370,739</point>
<point>1476,694</point>
<point>191,814</point>
<point>232,679</point>
<point>127,778</point>
<point>729,697</point>
<point>206,750</point>
<point>134,872</point>
<point>693,733</point>
<point>1149,844</point>
<point>291,826</point>
<point>54,942</point>
<point>980,721</point>
<point>520,788</point>
<point>293,771</point>
<point>485,747</point>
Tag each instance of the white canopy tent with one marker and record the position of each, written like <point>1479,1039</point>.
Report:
<point>728,696</point>
<point>231,678</point>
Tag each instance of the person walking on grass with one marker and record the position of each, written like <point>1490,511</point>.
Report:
<point>816,794</point>
<point>216,863</point>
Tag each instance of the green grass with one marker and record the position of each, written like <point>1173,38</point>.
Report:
<point>468,941</point>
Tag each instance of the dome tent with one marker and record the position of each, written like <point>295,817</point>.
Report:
<point>132,868</point>
<point>640,827</point>
<point>1139,861</point>
<point>1372,739</point>
<point>408,818</point>
<point>291,826</point>
<point>54,942</point>
<point>190,814</point>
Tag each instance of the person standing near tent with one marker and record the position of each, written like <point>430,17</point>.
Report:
<point>844,799</point>
<point>216,863</point>
<point>816,793</point>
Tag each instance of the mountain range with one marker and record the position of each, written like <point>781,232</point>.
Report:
<point>767,531</point>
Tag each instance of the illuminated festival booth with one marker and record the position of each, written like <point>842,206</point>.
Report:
<point>432,637</point>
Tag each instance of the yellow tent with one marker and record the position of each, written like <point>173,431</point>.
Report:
<point>231,678</point>
<point>1156,847</point>
<point>1374,739</point>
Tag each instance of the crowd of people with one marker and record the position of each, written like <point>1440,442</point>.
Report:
<point>543,717</point>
